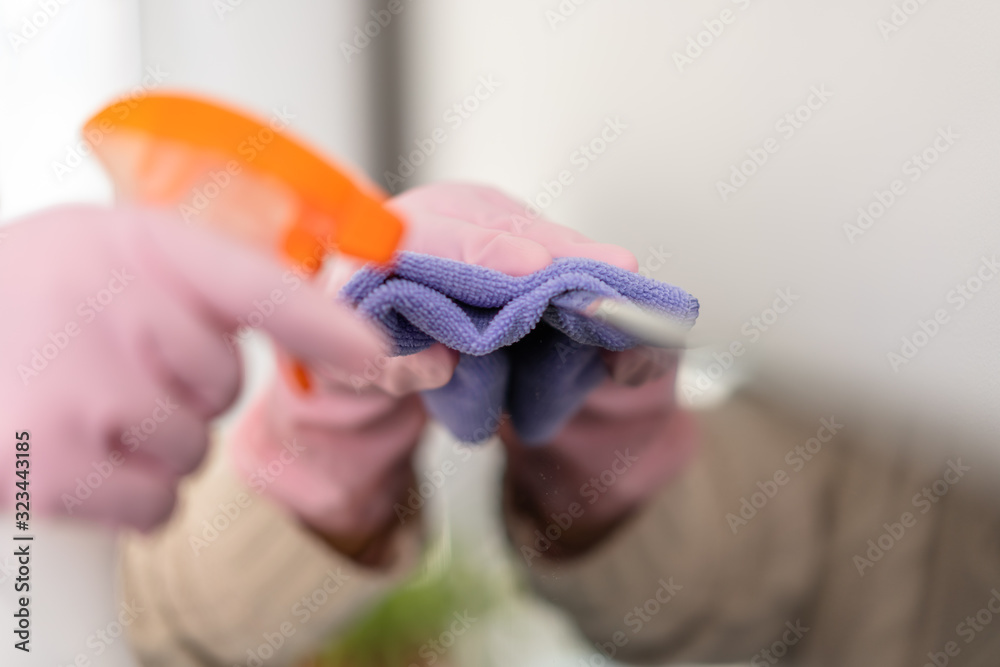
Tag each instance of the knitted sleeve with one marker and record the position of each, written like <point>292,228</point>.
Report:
<point>233,579</point>
<point>862,541</point>
<point>717,565</point>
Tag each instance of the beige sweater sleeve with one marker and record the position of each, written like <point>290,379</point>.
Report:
<point>696,571</point>
<point>233,579</point>
<point>778,540</point>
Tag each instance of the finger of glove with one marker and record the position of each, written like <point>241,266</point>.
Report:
<point>169,434</point>
<point>514,227</point>
<point>189,357</point>
<point>239,284</point>
<point>134,495</point>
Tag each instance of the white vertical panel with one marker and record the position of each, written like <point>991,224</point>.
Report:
<point>59,62</point>
<point>266,55</point>
<point>263,56</point>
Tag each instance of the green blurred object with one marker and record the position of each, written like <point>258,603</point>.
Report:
<point>397,632</point>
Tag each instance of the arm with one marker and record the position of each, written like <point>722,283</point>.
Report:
<point>234,570</point>
<point>124,319</point>
<point>357,433</point>
<point>291,533</point>
<point>683,574</point>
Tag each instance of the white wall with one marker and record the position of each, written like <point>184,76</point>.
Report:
<point>657,183</point>
<point>262,55</point>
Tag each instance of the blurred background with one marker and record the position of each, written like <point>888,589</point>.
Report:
<point>834,157</point>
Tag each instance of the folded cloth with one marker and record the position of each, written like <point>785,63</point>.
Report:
<point>526,351</point>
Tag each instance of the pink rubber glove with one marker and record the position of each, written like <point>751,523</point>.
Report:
<point>118,351</point>
<point>344,452</point>
<point>627,440</point>
<point>629,430</point>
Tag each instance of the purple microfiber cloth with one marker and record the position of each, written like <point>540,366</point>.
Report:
<point>525,350</point>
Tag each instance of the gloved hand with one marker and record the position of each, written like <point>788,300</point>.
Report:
<point>118,349</point>
<point>339,456</point>
<point>629,437</point>
<point>624,443</point>
<point>344,451</point>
